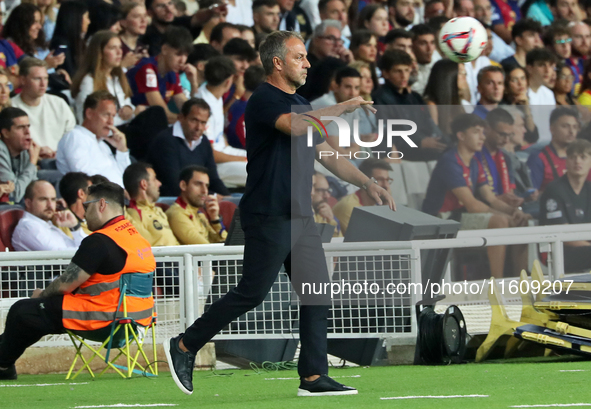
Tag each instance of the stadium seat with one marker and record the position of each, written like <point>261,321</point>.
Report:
<point>227,210</point>
<point>120,334</point>
<point>397,186</point>
<point>416,179</point>
<point>8,220</point>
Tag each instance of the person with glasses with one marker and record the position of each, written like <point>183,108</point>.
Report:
<point>327,42</point>
<point>73,188</point>
<point>564,85</point>
<point>323,213</point>
<point>72,301</point>
<point>376,169</point>
<point>42,227</point>
<point>581,47</point>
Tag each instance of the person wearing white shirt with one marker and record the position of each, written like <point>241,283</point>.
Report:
<point>40,228</point>
<point>472,70</point>
<point>541,65</point>
<point>231,162</point>
<point>240,12</point>
<point>114,87</point>
<point>50,116</point>
<point>86,148</point>
<point>423,46</point>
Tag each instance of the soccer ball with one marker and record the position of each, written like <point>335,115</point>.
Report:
<point>462,39</point>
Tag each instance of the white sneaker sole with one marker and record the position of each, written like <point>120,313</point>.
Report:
<point>166,345</point>
<point>304,392</point>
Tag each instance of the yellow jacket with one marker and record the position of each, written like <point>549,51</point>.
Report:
<point>151,222</point>
<point>333,222</point>
<point>191,226</point>
<point>343,209</point>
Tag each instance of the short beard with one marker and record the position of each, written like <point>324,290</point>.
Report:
<point>402,21</point>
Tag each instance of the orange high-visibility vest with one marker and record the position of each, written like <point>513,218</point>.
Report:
<point>92,306</point>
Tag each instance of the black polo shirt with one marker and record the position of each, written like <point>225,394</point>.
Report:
<point>273,155</point>
<point>561,205</point>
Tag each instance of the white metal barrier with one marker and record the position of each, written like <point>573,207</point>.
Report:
<point>189,278</point>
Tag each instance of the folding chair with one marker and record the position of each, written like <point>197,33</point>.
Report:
<point>120,334</point>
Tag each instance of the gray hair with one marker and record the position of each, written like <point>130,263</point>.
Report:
<point>514,111</point>
<point>321,28</point>
<point>274,46</point>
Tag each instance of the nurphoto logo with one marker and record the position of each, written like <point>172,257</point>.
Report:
<point>345,136</point>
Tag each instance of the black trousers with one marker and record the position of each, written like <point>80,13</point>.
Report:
<point>271,241</point>
<point>28,320</point>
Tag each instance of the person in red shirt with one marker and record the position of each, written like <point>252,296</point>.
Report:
<point>154,81</point>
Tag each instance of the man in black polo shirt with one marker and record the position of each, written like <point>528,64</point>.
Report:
<point>567,200</point>
<point>396,100</point>
<point>277,219</point>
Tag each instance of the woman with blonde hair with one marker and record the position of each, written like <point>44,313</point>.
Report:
<point>4,89</point>
<point>100,70</point>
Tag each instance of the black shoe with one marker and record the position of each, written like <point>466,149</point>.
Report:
<point>324,386</point>
<point>8,374</point>
<point>181,364</point>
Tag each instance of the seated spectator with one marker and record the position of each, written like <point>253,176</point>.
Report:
<point>538,10</point>
<point>241,54</point>
<point>74,190</point>
<point>266,16</point>
<point>516,89</point>
<point>401,13</point>
<point>568,10</point>
<point>87,148</point>
<point>326,42</point>
<point>144,191</point>
<point>50,116</point>
<point>550,163</point>
<point>70,31</point>
<point>183,145</point>
<point>40,228</point>
<point>347,86</point>
<point>491,87</point>
<point>506,15</point>
<point>423,45</point>
<point>293,18</point>
<point>483,12</point>
<point>240,12</point>
<point>247,34</point>
<point>337,10</point>
<point>566,200</point>
<point>445,91</point>
<point>541,65</point>
<point>364,46</point>
<point>231,162</point>
<point>133,24</point>
<point>322,211</point>
<point>558,40</point>
<point>526,35</point>
<point>494,160</point>
<point>581,47</point>
<point>235,130</point>
<point>198,58</point>
<point>214,19</point>
<point>374,18</point>
<point>512,148</point>
<point>103,16</point>
<point>4,89</point>
<point>399,39</point>
<point>155,81</point>
<point>221,34</point>
<point>195,216</point>
<point>373,168</point>
<point>24,27</point>
<point>49,12</point>
<point>456,181</point>
<point>101,70</point>
<point>18,155</point>
<point>563,89</point>
<point>396,66</point>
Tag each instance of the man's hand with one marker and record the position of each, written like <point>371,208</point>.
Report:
<point>46,153</point>
<point>34,151</point>
<point>212,207</point>
<point>511,199</point>
<point>520,219</point>
<point>378,193</point>
<point>37,293</point>
<point>130,59</point>
<point>117,139</point>
<point>433,142</point>
<point>6,188</point>
<point>65,74</point>
<point>325,211</point>
<point>344,55</point>
<point>65,218</point>
<point>126,112</point>
<point>358,102</point>
<point>191,72</point>
<point>534,196</point>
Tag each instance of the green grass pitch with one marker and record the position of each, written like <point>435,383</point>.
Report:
<point>506,384</point>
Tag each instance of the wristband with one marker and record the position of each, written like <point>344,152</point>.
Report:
<point>76,228</point>
<point>365,186</point>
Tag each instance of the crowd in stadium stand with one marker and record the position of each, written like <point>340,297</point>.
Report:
<point>151,95</point>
